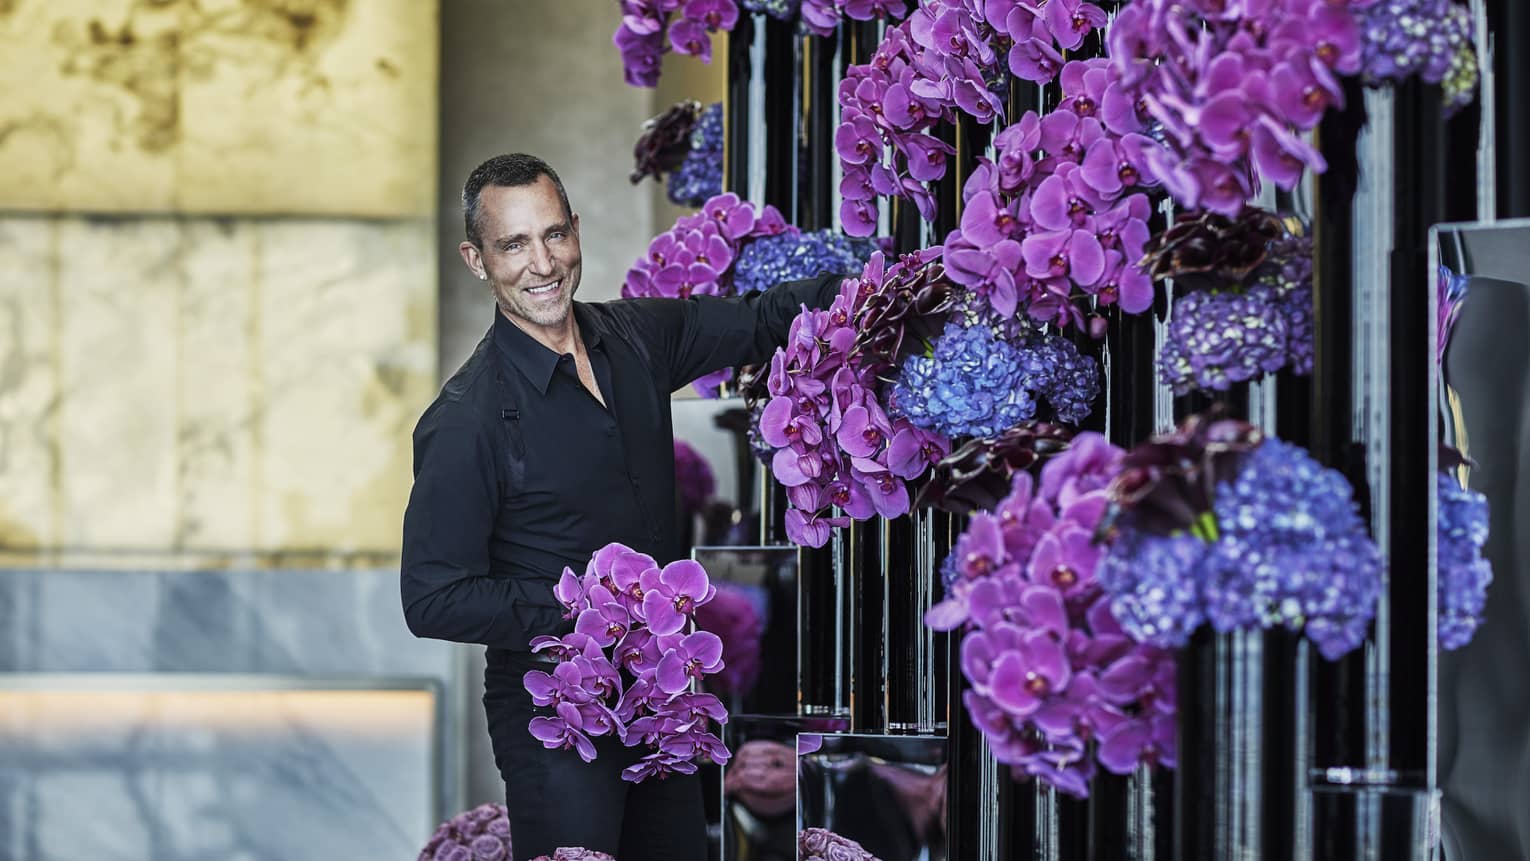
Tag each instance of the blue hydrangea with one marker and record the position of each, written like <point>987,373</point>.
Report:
<point>699,177</point>
<point>972,384</point>
<point>1152,585</point>
<point>1302,555</point>
<point>1462,573</point>
<point>1069,380</point>
<point>771,260</point>
<point>1290,550</point>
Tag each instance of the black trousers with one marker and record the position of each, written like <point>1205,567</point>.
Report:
<point>557,799</point>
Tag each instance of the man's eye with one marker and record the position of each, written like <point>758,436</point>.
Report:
<point>512,247</point>
<point>556,234</point>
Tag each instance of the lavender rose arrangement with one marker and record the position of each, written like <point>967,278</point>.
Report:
<point>1057,685</point>
<point>820,844</point>
<point>480,834</point>
<point>574,854</point>
<point>627,668</point>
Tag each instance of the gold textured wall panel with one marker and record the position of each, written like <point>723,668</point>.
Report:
<point>321,107</point>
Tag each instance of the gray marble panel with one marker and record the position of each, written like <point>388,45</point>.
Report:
<point>281,622</point>
<point>209,773</point>
<point>276,783</point>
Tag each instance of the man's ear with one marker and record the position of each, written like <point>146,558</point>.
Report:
<point>474,260</point>
<point>574,220</point>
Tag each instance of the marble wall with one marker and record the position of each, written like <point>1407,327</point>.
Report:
<point>231,715</point>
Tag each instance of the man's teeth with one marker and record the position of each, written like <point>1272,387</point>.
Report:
<point>542,291</point>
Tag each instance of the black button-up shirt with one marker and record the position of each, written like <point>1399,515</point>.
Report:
<point>519,471</point>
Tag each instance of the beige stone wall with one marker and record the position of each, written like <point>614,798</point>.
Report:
<point>208,355</point>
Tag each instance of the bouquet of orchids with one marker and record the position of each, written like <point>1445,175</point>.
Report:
<point>627,667</point>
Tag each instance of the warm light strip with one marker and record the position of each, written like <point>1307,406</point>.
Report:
<point>49,713</point>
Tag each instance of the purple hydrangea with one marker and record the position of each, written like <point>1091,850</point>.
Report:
<point>699,176</point>
<point>1287,271</point>
<point>1145,574</point>
<point>1218,338</point>
<point>1463,573</point>
<point>1428,38</point>
<point>976,382</point>
<point>971,384</point>
<point>1283,545</point>
<point>772,260</point>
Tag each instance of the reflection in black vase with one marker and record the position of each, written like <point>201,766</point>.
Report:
<point>1484,725</point>
<point>873,791</point>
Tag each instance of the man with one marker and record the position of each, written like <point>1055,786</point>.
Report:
<point>551,441</point>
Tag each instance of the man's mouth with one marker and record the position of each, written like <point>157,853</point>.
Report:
<point>545,289</point>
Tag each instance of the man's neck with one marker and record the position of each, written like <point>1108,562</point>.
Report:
<point>561,338</point>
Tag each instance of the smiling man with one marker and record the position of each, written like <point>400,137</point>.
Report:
<point>551,441</point>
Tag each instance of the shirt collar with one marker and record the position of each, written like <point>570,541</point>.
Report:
<point>534,359</point>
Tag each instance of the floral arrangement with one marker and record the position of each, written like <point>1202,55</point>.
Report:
<point>1218,524</point>
<point>979,474</point>
<point>1428,38</point>
<point>1056,683</point>
<point>940,62</point>
<point>649,28</point>
<point>976,381</point>
<point>694,481</point>
<point>1245,307</point>
<point>686,144</point>
<point>627,668</point>
<point>1462,573</point>
<point>713,252</point>
<point>819,844</point>
<point>568,854</point>
<point>734,614</point>
<point>480,834</point>
<point>835,445</point>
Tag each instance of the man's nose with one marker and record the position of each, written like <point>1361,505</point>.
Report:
<point>541,259</point>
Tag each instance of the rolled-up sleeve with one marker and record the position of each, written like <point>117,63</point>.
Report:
<point>703,334</point>
<point>447,590</point>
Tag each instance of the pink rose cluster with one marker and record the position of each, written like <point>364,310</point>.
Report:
<point>836,446</point>
<point>647,24</point>
<point>1229,87</point>
<point>1060,219</point>
<point>939,62</point>
<point>1056,682</point>
<point>627,668</point>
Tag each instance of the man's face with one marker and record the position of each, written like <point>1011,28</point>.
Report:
<point>530,251</point>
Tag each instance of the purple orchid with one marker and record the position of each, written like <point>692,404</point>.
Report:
<point>564,731</point>
<point>696,655</point>
<point>671,595</point>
